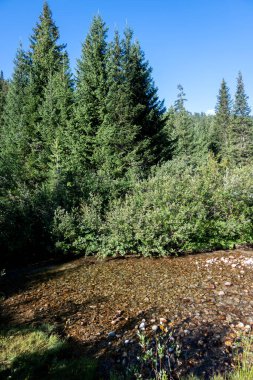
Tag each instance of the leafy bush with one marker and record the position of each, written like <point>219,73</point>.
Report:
<point>184,210</point>
<point>25,223</point>
<point>77,231</point>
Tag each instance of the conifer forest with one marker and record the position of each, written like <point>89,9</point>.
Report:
<point>93,165</point>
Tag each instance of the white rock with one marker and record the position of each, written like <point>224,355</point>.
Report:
<point>142,326</point>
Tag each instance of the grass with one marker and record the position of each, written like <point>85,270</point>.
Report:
<point>29,353</point>
<point>244,368</point>
<point>39,353</point>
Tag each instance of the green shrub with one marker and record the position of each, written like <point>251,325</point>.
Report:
<point>188,210</point>
<point>77,231</point>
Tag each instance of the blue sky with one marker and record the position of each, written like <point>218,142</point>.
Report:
<point>192,42</point>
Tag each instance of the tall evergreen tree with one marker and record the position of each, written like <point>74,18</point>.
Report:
<point>223,120</point>
<point>241,107</point>
<point>48,59</point>
<point>241,126</point>
<point>91,89</point>
<point>130,135</point>
<point>3,94</point>
<point>56,114</point>
<point>47,54</point>
<point>183,126</point>
<point>179,104</point>
<point>14,135</point>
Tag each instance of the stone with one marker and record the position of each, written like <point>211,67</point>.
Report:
<point>154,328</point>
<point>112,334</point>
<point>227,283</point>
<point>142,326</point>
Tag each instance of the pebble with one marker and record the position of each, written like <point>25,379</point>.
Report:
<point>221,293</point>
<point>240,325</point>
<point>112,334</point>
<point>126,341</point>
<point>142,326</point>
<point>227,283</point>
<point>154,328</point>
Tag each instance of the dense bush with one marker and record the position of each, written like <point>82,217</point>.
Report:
<point>183,211</point>
<point>77,231</point>
<point>25,224</point>
<point>179,208</point>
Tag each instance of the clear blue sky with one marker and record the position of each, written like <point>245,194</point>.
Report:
<point>192,42</point>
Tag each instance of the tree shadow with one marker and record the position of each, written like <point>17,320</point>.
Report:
<point>202,349</point>
<point>14,281</point>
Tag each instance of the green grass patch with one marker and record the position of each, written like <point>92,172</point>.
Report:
<point>30,353</point>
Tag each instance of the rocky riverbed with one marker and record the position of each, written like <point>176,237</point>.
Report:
<point>206,300</point>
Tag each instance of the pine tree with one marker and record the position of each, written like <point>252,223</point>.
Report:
<point>56,113</point>
<point>3,94</point>
<point>47,55</point>
<point>144,95</point>
<point>183,127</point>
<point>116,138</point>
<point>223,120</point>
<point>241,107</point>
<point>129,137</point>
<point>179,104</point>
<point>48,59</point>
<point>14,137</point>
<point>91,89</point>
<point>241,126</point>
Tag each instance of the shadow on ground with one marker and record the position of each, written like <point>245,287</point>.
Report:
<point>202,350</point>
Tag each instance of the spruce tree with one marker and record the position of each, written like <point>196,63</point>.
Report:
<point>241,126</point>
<point>3,94</point>
<point>183,127</point>
<point>47,54</point>
<point>130,136</point>
<point>223,120</point>
<point>14,137</point>
<point>179,104</point>
<point>48,59</point>
<point>55,129</point>
<point>116,142</point>
<point>241,107</point>
<point>144,95</point>
<point>91,89</point>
